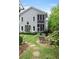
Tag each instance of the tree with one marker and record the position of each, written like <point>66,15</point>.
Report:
<point>53,22</point>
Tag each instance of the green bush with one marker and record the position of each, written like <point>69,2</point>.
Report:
<point>57,43</point>
<point>20,40</point>
<point>53,20</point>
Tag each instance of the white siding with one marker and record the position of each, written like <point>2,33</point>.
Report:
<point>28,17</point>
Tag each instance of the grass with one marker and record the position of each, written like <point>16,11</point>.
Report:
<point>30,38</point>
<point>26,55</point>
<point>51,52</point>
<point>46,52</point>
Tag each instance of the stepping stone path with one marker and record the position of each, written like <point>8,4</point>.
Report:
<point>36,53</point>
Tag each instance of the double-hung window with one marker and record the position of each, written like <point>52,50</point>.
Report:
<point>22,28</point>
<point>33,18</point>
<point>21,19</point>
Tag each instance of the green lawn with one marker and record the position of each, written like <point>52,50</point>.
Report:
<point>30,38</point>
<point>51,53</point>
<point>26,55</point>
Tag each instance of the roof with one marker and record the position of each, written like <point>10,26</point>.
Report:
<point>28,8</point>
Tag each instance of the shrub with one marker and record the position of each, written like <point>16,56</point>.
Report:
<point>29,33</point>
<point>57,43</point>
<point>46,33</point>
<point>20,40</point>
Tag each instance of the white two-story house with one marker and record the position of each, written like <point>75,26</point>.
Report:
<point>32,20</point>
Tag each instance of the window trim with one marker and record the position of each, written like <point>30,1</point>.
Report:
<point>33,18</point>
<point>33,28</point>
<point>21,19</point>
<point>21,28</point>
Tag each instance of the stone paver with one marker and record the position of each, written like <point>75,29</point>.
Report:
<point>36,54</point>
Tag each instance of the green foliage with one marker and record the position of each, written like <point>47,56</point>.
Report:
<point>20,40</point>
<point>53,25</point>
<point>53,22</point>
<point>55,35</point>
<point>27,54</point>
<point>54,38</point>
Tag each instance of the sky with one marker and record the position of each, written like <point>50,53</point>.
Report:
<point>45,5</point>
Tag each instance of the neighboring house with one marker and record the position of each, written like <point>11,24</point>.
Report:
<point>32,20</point>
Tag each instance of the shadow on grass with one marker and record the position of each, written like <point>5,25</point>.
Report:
<point>28,33</point>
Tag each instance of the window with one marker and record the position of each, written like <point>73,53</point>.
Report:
<point>33,28</point>
<point>33,18</point>
<point>43,27</point>
<point>21,19</point>
<point>37,17</point>
<point>38,25</point>
<point>27,22</point>
<point>22,28</point>
<point>43,17</point>
<point>40,17</point>
<point>38,29</point>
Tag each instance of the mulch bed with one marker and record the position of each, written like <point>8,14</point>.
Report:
<point>42,40</point>
<point>22,47</point>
